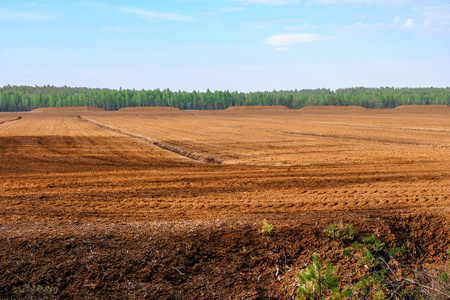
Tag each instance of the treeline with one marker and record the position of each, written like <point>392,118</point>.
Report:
<point>24,98</point>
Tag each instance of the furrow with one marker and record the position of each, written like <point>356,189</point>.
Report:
<point>15,119</point>
<point>384,141</point>
<point>198,157</point>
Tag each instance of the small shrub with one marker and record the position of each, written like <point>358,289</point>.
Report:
<point>373,243</point>
<point>396,250</point>
<point>35,292</point>
<point>317,280</point>
<point>347,252</point>
<point>381,276</point>
<point>266,228</point>
<point>243,250</point>
<point>341,231</point>
<point>442,277</point>
<point>379,296</point>
<point>253,257</point>
<point>356,245</point>
<point>366,258</point>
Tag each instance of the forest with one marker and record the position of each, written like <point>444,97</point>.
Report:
<point>25,98</point>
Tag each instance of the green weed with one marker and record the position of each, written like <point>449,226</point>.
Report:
<point>266,228</point>
<point>340,231</point>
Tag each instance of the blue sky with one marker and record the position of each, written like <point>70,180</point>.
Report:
<point>244,45</point>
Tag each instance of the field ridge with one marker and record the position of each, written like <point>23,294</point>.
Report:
<point>11,120</point>
<point>198,157</point>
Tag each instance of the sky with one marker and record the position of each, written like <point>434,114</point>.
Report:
<point>235,45</point>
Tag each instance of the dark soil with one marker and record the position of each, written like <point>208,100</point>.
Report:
<point>194,260</point>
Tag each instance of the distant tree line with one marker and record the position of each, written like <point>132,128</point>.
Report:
<point>24,98</point>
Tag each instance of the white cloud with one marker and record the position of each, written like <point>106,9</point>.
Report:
<point>158,16</point>
<point>222,10</point>
<point>409,24</point>
<point>291,39</point>
<point>435,19</point>
<point>11,15</point>
<point>360,28</point>
<point>363,28</point>
<point>270,2</point>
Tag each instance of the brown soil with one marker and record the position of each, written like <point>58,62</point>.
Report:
<point>246,108</point>
<point>339,109</point>
<point>6,119</point>
<point>422,108</point>
<point>68,108</point>
<point>149,109</point>
<point>92,209</point>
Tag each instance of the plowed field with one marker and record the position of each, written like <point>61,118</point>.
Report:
<point>159,204</point>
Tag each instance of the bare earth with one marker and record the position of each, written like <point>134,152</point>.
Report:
<point>159,204</point>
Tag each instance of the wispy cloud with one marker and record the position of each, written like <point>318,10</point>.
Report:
<point>223,10</point>
<point>6,14</point>
<point>209,13</point>
<point>363,28</point>
<point>360,28</point>
<point>291,39</point>
<point>409,24</point>
<point>270,2</point>
<point>435,19</point>
<point>158,16</point>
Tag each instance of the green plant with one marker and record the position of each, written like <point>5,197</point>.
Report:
<point>347,252</point>
<point>448,251</point>
<point>442,277</point>
<point>379,296</point>
<point>395,250</point>
<point>367,219</point>
<point>266,228</point>
<point>373,243</point>
<point>356,245</point>
<point>253,257</point>
<point>340,231</point>
<point>381,275</point>
<point>367,257</point>
<point>317,280</point>
<point>243,250</point>
<point>35,292</point>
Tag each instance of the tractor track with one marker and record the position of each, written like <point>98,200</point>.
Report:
<point>198,157</point>
<point>12,120</point>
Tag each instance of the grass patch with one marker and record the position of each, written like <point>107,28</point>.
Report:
<point>266,228</point>
<point>340,231</point>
